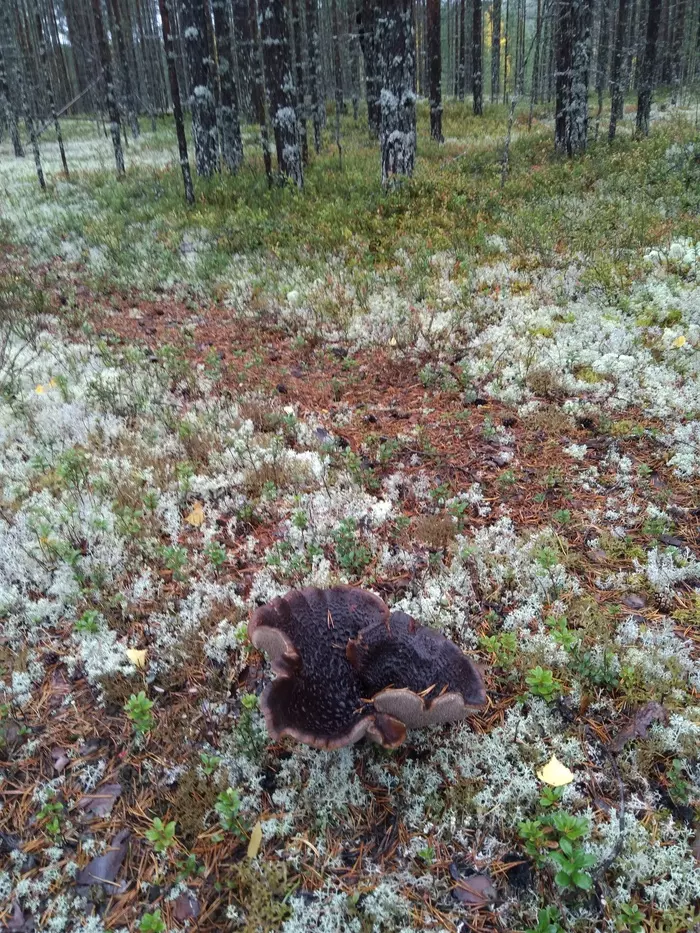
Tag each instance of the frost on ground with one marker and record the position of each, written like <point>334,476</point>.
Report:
<point>505,449</point>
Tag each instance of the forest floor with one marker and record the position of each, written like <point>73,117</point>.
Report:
<point>479,400</point>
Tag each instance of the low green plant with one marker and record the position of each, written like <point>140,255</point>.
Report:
<point>138,708</point>
<point>88,623</point>
<point>161,835</point>
<point>503,647</point>
<point>550,797</point>
<point>542,683</point>
<point>50,816</point>
<point>547,921</point>
<point>175,560</point>
<point>630,919</point>
<point>152,923</point>
<point>228,806</point>
<point>572,863</point>
<point>215,554</point>
<point>350,553</point>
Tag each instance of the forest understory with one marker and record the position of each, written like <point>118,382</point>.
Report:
<point>476,395</point>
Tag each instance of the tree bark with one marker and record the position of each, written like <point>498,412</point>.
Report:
<point>398,100</point>
<point>228,117</point>
<point>370,52</point>
<point>578,106</point>
<point>204,129</point>
<point>564,65</point>
<point>49,92</point>
<point>314,71</point>
<point>9,110</point>
<point>646,84</point>
<point>616,86</point>
<point>300,82</point>
<point>258,91</point>
<point>477,78</point>
<point>129,105</point>
<point>337,78</point>
<point>177,106</point>
<point>280,84</point>
<point>107,77</point>
<point>462,71</point>
<point>245,55</point>
<point>677,50</point>
<point>495,50</point>
<point>435,69</point>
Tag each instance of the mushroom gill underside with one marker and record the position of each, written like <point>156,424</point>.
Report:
<point>347,668</point>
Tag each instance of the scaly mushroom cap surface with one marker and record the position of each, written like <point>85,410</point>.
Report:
<point>334,650</point>
<point>414,673</point>
<point>316,696</point>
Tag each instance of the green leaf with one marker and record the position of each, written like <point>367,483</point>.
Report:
<point>562,879</point>
<point>565,846</point>
<point>582,880</point>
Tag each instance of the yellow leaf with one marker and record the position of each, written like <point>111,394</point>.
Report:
<point>40,389</point>
<point>52,383</point>
<point>255,840</point>
<point>555,773</point>
<point>137,658</point>
<point>679,342</point>
<point>196,516</point>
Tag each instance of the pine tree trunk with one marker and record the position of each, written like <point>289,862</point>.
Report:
<point>49,91</point>
<point>258,90</point>
<point>616,83</point>
<point>435,69</point>
<point>564,64</point>
<point>646,84</point>
<point>354,58</point>
<point>602,65</point>
<point>337,78</point>
<point>202,102</point>
<point>125,70</point>
<point>300,82</point>
<point>108,80</point>
<point>495,50</point>
<point>9,110</point>
<point>398,100</point>
<point>228,117</point>
<point>22,76</point>
<point>505,52</point>
<point>314,71</point>
<point>477,89</point>
<point>462,80</point>
<point>370,53</point>
<point>280,84</point>
<point>677,51</point>
<point>245,53</point>
<point>177,106</point>
<point>578,107</point>
<point>535,88</point>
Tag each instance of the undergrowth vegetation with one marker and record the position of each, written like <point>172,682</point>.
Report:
<point>480,402</point>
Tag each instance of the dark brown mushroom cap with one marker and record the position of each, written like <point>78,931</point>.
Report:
<point>414,673</point>
<point>316,696</point>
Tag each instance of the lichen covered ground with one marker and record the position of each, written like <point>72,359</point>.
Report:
<point>480,402</point>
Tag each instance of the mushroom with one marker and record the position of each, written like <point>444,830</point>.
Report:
<point>347,668</point>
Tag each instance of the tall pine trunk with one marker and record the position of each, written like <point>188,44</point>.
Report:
<point>462,72</point>
<point>677,50</point>
<point>370,52</point>
<point>317,103</point>
<point>646,83</point>
<point>108,81</point>
<point>177,106</point>
<point>258,91</point>
<point>202,103</point>
<point>435,69</point>
<point>397,52</point>
<point>477,88</point>
<point>337,78</point>
<point>578,106</point>
<point>564,64</point>
<point>354,50</point>
<point>277,56</point>
<point>495,50</point>
<point>228,117</point>
<point>9,110</point>
<point>245,52</point>
<point>49,91</point>
<point>300,82</point>
<point>617,95</point>
<point>129,105</point>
